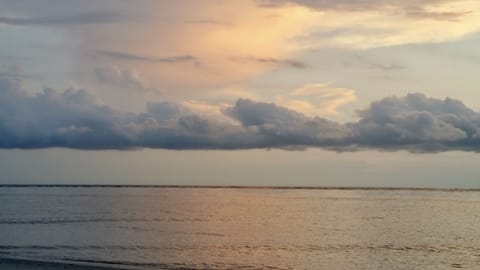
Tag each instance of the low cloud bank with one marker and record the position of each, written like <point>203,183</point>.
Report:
<point>74,119</point>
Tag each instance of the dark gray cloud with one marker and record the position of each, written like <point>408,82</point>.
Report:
<point>286,62</point>
<point>273,61</point>
<point>421,13</point>
<point>365,61</point>
<point>141,58</point>
<point>94,17</point>
<point>67,12</point>
<point>417,123</point>
<point>276,126</point>
<point>74,119</point>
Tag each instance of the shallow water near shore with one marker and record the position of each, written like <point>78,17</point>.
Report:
<point>208,228</point>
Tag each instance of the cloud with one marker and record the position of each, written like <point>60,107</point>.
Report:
<point>14,75</point>
<point>417,123</point>
<point>388,67</point>
<point>74,119</point>
<point>317,99</point>
<point>377,23</point>
<point>122,78</point>
<point>14,72</point>
<point>133,57</point>
<point>210,22</point>
<point>354,5</point>
<point>441,16</point>
<point>276,126</point>
<point>94,17</point>
<point>281,62</point>
<point>271,61</point>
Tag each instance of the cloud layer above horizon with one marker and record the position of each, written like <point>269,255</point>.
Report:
<point>75,119</point>
<point>203,75</point>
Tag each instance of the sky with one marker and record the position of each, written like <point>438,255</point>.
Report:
<point>247,92</point>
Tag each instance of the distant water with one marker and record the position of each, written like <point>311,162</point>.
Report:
<point>191,228</point>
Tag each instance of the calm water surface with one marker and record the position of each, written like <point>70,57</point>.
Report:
<point>190,228</point>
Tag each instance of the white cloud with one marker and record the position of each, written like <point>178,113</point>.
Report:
<point>318,99</point>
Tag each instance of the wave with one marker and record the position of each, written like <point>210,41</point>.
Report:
<point>15,262</point>
<point>65,221</point>
<point>85,264</point>
<point>45,264</point>
<point>44,221</point>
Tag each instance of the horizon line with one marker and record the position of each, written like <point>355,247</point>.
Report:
<point>236,187</point>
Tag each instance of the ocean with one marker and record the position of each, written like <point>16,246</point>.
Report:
<point>240,228</point>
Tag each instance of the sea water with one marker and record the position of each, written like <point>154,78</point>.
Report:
<point>238,228</point>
